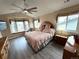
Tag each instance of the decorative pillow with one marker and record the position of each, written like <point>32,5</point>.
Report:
<point>46,30</point>
<point>45,26</point>
<point>50,31</point>
<point>42,27</point>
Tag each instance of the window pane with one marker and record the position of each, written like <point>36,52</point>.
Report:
<point>62,19</point>
<point>36,24</point>
<point>72,22</point>
<point>13,27</point>
<point>26,25</point>
<point>20,26</point>
<point>72,17</point>
<point>61,24</point>
<point>3,25</point>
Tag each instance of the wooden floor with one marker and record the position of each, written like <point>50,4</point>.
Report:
<point>19,49</point>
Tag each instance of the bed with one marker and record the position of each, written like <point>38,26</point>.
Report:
<point>39,39</point>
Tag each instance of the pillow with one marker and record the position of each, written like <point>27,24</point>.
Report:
<point>42,27</point>
<point>46,30</point>
<point>45,25</point>
<point>50,31</point>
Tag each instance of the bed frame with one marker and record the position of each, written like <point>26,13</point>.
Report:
<point>41,46</point>
<point>46,42</point>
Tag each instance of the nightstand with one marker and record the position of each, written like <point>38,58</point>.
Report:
<point>60,39</point>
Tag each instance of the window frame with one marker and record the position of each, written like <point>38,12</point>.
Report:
<point>17,26</point>
<point>34,23</point>
<point>67,22</point>
<point>6,25</point>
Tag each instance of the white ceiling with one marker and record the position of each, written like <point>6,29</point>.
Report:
<point>44,6</point>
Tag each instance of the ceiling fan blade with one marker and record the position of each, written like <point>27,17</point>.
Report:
<point>32,8</point>
<point>30,12</point>
<point>17,6</point>
<point>34,11</point>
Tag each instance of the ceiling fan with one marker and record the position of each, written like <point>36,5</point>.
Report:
<point>26,10</point>
<point>65,1</point>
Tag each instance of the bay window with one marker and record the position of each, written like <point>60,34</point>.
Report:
<point>61,24</point>
<point>36,23</point>
<point>72,22</point>
<point>26,25</point>
<point>67,23</point>
<point>13,26</point>
<point>19,26</point>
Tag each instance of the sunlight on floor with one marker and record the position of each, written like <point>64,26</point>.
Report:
<point>20,43</point>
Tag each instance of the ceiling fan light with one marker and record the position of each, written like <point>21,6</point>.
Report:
<point>25,11</point>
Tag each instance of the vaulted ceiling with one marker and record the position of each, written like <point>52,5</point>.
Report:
<point>44,6</point>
